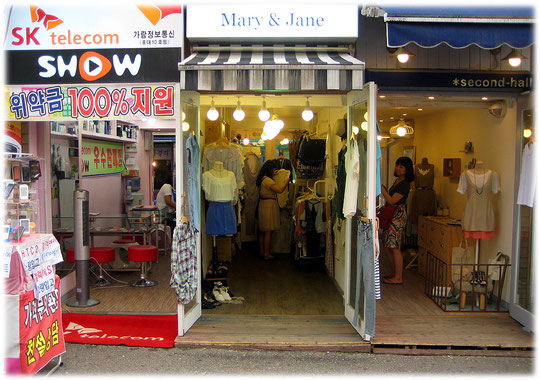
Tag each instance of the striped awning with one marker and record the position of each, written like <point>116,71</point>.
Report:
<point>271,68</point>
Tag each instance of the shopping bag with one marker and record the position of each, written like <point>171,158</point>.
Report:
<point>463,260</point>
<point>494,271</point>
<point>385,215</point>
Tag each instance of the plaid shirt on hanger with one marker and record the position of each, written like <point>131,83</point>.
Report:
<point>184,270</point>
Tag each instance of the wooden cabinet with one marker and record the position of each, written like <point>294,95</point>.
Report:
<point>438,238</point>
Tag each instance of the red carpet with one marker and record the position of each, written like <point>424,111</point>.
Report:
<point>129,330</point>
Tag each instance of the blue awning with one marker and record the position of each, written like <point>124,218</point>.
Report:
<point>486,27</point>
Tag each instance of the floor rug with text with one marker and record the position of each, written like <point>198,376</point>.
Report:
<point>129,330</point>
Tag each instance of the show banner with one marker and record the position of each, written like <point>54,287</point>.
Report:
<point>101,157</point>
<point>90,102</point>
<point>36,335</point>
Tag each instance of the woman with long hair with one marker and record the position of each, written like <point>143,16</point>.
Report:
<point>397,196</point>
<point>268,208</point>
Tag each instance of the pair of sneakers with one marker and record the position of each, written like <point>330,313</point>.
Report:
<point>221,293</point>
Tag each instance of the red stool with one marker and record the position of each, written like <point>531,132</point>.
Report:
<point>101,255</point>
<point>143,254</point>
<point>70,255</point>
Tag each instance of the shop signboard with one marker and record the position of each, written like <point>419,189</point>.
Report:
<point>35,336</point>
<point>102,157</point>
<point>56,102</point>
<point>84,42</point>
<point>272,21</point>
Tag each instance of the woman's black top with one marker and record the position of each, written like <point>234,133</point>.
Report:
<point>402,188</point>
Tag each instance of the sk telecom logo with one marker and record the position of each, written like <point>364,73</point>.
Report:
<point>37,15</point>
<point>155,13</point>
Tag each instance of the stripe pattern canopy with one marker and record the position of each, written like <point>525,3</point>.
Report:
<point>488,28</point>
<point>270,68</point>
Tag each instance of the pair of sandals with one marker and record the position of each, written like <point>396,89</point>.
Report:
<point>478,278</point>
<point>221,293</point>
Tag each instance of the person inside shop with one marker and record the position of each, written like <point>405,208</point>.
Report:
<point>166,203</point>
<point>397,196</point>
<point>268,208</point>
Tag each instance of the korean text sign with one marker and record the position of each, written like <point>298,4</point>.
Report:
<point>102,157</point>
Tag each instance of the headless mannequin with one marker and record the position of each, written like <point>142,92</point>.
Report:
<point>218,170</point>
<point>424,164</point>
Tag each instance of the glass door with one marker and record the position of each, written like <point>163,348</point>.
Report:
<point>361,132</point>
<point>186,126</point>
<point>523,279</point>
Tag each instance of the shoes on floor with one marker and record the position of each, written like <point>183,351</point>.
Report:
<point>217,295</point>
<point>224,293</point>
<point>205,304</point>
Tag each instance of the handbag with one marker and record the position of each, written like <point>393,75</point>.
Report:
<point>494,271</point>
<point>385,215</point>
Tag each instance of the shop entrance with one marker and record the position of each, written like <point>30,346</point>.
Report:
<point>309,275</point>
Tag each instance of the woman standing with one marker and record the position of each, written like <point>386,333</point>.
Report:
<point>397,196</point>
<point>268,212</point>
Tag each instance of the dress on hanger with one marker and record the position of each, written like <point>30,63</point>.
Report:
<point>527,178</point>
<point>423,199</point>
<point>252,166</point>
<point>478,219</point>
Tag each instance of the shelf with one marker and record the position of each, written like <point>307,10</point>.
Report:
<point>65,135</point>
<point>22,157</point>
<point>107,137</point>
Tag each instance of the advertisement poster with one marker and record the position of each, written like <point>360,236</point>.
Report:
<point>40,335</point>
<point>102,157</point>
<point>12,137</point>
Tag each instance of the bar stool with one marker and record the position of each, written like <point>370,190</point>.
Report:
<point>70,255</point>
<point>143,254</point>
<point>119,245</point>
<point>101,255</point>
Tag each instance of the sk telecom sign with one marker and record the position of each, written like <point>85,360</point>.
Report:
<point>272,21</point>
<point>111,42</point>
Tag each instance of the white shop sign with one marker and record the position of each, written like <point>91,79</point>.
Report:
<point>271,21</point>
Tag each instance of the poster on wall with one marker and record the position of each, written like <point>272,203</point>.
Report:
<point>35,336</point>
<point>101,157</point>
<point>80,42</point>
<point>12,137</point>
<point>131,102</point>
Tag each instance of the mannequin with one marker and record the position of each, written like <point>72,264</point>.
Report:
<point>218,170</point>
<point>478,221</point>
<point>423,200</point>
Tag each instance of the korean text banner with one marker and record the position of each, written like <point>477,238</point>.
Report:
<point>93,25</point>
<point>113,102</point>
<point>101,157</point>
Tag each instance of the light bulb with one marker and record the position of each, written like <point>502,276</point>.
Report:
<point>212,114</point>
<point>245,141</point>
<point>401,131</point>
<point>527,133</point>
<point>364,126</point>
<point>286,141</point>
<point>379,137</point>
<point>355,129</point>
<point>264,115</point>
<point>403,58</point>
<point>185,126</point>
<point>183,116</point>
<point>239,114</point>
<point>514,62</point>
<point>307,115</point>
<point>366,116</point>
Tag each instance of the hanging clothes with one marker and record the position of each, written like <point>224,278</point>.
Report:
<point>231,157</point>
<point>479,216</point>
<point>341,182</point>
<point>221,192</point>
<point>352,165</point>
<point>329,257</point>
<point>252,167</point>
<point>527,177</point>
<point>423,198</point>
<point>192,153</point>
<point>184,271</point>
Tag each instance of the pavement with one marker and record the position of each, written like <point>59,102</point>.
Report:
<point>103,360</point>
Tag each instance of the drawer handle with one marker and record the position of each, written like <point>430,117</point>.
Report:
<point>442,245</point>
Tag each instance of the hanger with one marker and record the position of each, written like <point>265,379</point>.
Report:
<point>222,141</point>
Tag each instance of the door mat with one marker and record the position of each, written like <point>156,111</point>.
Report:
<point>129,330</point>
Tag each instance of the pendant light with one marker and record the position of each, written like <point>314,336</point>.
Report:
<point>307,113</point>
<point>264,114</point>
<point>239,113</point>
<point>212,113</point>
<point>401,129</point>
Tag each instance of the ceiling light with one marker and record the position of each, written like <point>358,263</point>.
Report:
<point>183,116</point>
<point>245,141</point>
<point>264,114</point>
<point>355,129</point>
<point>382,96</point>
<point>484,98</point>
<point>366,116</point>
<point>420,109</point>
<point>212,113</point>
<point>185,126</point>
<point>307,113</point>
<point>401,129</point>
<point>402,55</point>
<point>238,113</point>
<point>431,97</point>
<point>514,58</point>
<point>527,133</point>
<point>364,126</point>
<point>285,141</point>
<point>379,137</point>
<point>272,127</point>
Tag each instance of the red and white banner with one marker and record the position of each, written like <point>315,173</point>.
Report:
<point>34,332</point>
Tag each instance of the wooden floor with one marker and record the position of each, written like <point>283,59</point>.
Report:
<point>287,309</point>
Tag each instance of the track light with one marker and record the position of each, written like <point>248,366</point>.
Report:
<point>212,113</point>
<point>238,113</point>
<point>514,58</point>
<point>307,113</point>
<point>402,55</point>
<point>264,114</point>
